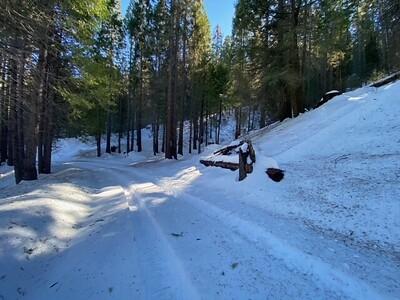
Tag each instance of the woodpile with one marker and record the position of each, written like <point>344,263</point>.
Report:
<point>239,155</point>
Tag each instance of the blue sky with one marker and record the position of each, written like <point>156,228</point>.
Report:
<point>219,12</point>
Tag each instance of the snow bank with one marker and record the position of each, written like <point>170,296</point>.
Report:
<point>342,168</point>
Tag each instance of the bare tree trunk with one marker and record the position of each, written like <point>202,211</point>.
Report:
<point>164,133</point>
<point>253,116</point>
<point>155,128</point>
<point>195,132</point>
<point>133,120</point>
<point>17,84</point>
<point>201,123</point>
<point>30,171</point>
<point>140,106</point>
<point>52,74</point>
<point>157,147</point>
<point>219,121</point>
<point>238,112</point>
<point>170,149</point>
<point>262,114</point>
<point>98,133</point>
<point>129,101</point>
<point>242,165</point>
<point>11,119</point>
<point>190,135</point>
<point>3,111</point>
<point>121,124</point>
<point>185,87</point>
<point>207,129</point>
<point>296,95</point>
<point>109,128</point>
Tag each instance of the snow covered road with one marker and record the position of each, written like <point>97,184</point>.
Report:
<point>107,229</point>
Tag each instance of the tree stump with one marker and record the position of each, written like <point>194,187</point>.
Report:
<point>242,164</point>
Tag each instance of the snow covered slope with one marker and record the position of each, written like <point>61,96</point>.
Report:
<point>146,228</point>
<point>342,165</point>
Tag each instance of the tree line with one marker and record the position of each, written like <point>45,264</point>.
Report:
<point>288,53</point>
<point>78,67</point>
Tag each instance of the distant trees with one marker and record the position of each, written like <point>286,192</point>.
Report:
<point>298,49</point>
<point>169,44</point>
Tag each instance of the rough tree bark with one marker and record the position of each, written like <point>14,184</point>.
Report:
<point>108,135</point>
<point>170,149</point>
<point>3,111</point>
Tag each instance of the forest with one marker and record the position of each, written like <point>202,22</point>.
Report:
<point>80,67</point>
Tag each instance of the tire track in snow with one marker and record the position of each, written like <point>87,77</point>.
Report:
<point>324,273</point>
<point>163,274</point>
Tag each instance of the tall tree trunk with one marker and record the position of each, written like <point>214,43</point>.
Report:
<point>129,101</point>
<point>185,86</point>
<point>3,111</point>
<point>238,113</point>
<point>98,132</point>
<point>170,149</point>
<point>190,135</point>
<point>164,133</point>
<point>109,128</point>
<point>263,111</point>
<point>121,123</point>
<point>219,121</point>
<point>30,171</point>
<point>206,126</point>
<point>49,108</point>
<point>201,123</point>
<point>11,107</point>
<point>17,90</point>
<point>157,146</point>
<point>195,132</point>
<point>140,104</point>
<point>155,127</point>
<point>133,120</point>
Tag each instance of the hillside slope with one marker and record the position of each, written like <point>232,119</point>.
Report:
<point>342,165</point>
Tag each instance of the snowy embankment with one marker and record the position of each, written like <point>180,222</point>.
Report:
<point>342,165</point>
<point>146,228</point>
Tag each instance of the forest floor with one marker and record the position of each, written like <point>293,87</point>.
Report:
<point>146,228</point>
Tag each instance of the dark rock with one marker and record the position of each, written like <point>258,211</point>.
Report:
<point>275,174</point>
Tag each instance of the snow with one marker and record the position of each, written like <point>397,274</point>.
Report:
<point>69,148</point>
<point>244,147</point>
<point>332,92</point>
<point>234,158</point>
<point>6,176</point>
<point>140,227</point>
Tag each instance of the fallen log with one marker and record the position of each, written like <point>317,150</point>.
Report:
<point>228,149</point>
<point>386,80</point>
<point>222,164</point>
<point>328,96</point>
